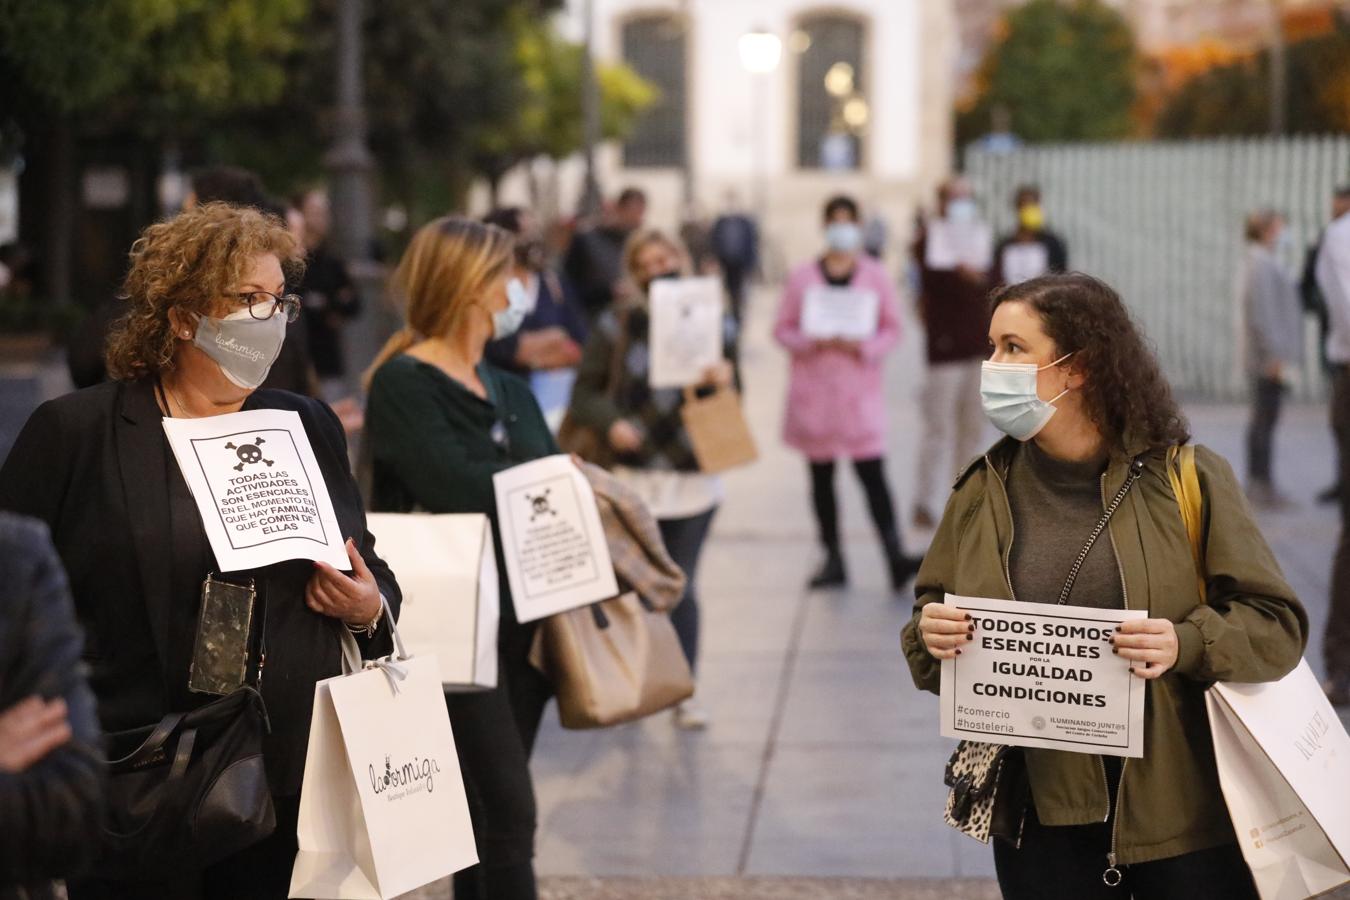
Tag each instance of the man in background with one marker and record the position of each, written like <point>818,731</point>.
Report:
<point>735,244</point>
<point>328,295</point>
<point>594,262</point>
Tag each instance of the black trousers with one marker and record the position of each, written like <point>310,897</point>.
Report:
<point>1267,394</point>
<point>684,539</point>
<point>1067,862</point>
<point>260,872</point>
<point>1336,643</point>
<point>494,735</point>
<point>872,474</point>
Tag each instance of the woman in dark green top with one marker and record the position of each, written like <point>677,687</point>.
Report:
<point>441,423</point>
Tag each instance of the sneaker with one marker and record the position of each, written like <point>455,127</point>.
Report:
<point>923,518</point>
<point>691,716</point>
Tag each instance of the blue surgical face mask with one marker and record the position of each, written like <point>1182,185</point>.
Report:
<point>1011,401</point>
<point>843,237</point>
<point>243,347</point>
<point>962,209</point>
<point>506,322</point>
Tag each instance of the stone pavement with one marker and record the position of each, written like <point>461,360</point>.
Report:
<point>821,773</point>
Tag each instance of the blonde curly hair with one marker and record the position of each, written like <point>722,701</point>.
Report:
<point>191,263</point>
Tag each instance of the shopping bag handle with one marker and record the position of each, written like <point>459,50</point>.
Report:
<point>392,665</point>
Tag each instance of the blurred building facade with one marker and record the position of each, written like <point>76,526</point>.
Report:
<point>779,103</point>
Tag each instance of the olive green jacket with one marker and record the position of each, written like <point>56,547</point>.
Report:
<point>1251,629</point>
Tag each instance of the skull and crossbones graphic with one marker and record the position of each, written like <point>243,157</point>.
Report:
<point>539,505</point>
<point>248,454</point>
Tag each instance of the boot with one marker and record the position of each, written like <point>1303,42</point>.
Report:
<point>831,573</point>
<point>902,567</point>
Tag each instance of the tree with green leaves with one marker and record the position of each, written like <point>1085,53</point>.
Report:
<point>1064,70</point>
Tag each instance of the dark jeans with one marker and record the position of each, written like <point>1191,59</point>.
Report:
<point>1066,862</point>
<point>872,474</point>
<point>1336,643</point>
<point>260,872</point>
<point>684,540</point>
<point>1266,396</point>
<point>494,734</point>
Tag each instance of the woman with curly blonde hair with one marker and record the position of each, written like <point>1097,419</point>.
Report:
<point>206,314</point>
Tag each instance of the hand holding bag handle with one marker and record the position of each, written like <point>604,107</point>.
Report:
<point>391,665</point>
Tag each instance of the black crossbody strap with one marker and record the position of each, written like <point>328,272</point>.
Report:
<point>1136,470</point>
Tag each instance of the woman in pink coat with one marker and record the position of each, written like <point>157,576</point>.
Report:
<point>835,404</point>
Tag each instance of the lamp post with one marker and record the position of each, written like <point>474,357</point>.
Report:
<point>761,51</point>
<point>590,112</point>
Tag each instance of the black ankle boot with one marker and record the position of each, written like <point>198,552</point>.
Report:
<point>902,567</point>
<point>831,573</point>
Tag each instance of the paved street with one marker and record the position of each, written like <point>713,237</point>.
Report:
<point>821,774</point>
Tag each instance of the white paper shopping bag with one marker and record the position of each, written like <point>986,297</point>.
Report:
<point>447,570</point>
<point>1284,765</point>
<point>382,807</point>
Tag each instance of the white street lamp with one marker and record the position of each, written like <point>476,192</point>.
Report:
<point>761,50</point>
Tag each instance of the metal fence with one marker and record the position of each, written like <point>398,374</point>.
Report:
<point>1162,223</point>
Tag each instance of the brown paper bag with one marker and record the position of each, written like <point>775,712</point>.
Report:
<point>717,430</point>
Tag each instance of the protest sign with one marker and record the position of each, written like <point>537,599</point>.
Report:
<point>840,312</point>
<point>554,544</point>
<point>952,244</point>
<point>686,330</point>
<point>258,487</point>
<point>1042,675</point>
<point>1024,260</point>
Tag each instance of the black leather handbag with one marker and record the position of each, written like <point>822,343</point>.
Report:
<point>187,792</point>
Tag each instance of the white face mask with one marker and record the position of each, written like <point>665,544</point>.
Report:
<point>243,347</point>
<point>1011,401</point>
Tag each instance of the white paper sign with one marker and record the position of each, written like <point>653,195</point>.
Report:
<point>1023,261</point>
<point>840,312</point>
<point>952,244</point>
<point>1043,675</point>
<point>552,538</point>
<point>258,487</point>
<point>686,330</point>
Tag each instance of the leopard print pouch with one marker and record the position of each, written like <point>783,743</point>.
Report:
<point>973,776</point>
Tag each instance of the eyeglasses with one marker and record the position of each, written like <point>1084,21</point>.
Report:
<point>263,305</point>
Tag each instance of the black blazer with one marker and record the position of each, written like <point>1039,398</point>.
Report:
<point>95,466</point>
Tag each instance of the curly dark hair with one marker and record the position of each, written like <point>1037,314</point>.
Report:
<point>1124,391</point>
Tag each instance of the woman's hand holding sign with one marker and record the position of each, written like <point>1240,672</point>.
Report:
<point>1150,642</point>
<point>355,598</point>
<point>945,629</point>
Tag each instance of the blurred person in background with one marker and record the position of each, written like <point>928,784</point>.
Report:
<point>876,237</point>
<point>643,426</point>
<point>51,769</point>
<point>696,235</point>
<point>594,261</point>
<point>547,347</point>
<point>1032,250</point>
<point>1316,305</point>
<point>329,296</point>
<point>442,421</point>
<point>954,306</point>
<point>836,404</point>
<point>1333,277</point>
<point>1272,316</point>
<point>735,244</point>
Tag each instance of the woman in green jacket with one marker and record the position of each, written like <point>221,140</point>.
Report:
<point>1154,827</point>
<point>441,423</point>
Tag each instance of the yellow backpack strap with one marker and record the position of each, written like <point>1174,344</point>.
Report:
<point>1185,478</point>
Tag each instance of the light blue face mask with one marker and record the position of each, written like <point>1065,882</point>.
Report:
<point>1011,401</point>
<point>962,210</point>
<point>843,237</point>
<point>506,322</point>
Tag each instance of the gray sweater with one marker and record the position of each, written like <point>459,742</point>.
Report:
<point>1055,506</point>
<point>1272,312</point>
